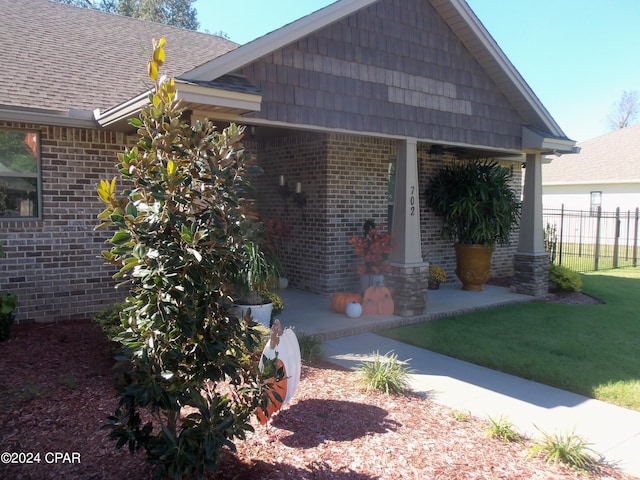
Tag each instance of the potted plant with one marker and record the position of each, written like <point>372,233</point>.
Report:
<point>437,275</point>
<point>276,233</point>
<point>479,209</point>
<point>257,276</point>
<point>8,303</point>
<point>374,247</point>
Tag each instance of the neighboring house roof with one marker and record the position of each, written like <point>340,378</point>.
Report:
<point>61,58</point>
<point>610,158</point>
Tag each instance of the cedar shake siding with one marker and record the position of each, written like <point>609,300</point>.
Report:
<point>393,68</point>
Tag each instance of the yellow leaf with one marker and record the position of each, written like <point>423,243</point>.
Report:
<point>171,86</point>
<point>161,42</point>
<point>158,56</point>
<point>153,70</point>
<point>171,167</point>
<point>103,191</point>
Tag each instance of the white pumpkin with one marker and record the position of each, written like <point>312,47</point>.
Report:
<point>354,310</point>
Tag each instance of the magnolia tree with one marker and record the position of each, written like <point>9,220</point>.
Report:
<point>186,389</point>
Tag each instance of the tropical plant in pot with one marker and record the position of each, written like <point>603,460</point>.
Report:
<point>276,234</point>
<point>479,209</point>
<point>257,276</point>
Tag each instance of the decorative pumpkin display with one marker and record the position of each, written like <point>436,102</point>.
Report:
<point>354,310</point>
<point>340,300</point>
<point>282,346</point>
<point>377,301</point>
<point>275,396</point>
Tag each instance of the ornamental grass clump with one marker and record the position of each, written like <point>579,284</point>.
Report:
<point>567,448</point>
<point>179,233</point>
<point>385,374</point>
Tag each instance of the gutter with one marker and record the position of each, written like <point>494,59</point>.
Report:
<point>60,118</point>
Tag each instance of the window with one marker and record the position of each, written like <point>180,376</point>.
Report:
<point>596,202</point>
<point>19,174</point>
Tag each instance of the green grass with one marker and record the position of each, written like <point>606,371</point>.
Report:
<point>592,350</point>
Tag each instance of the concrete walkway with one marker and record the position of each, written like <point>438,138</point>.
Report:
<point>613,432</point>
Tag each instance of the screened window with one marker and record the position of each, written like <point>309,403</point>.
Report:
<point>596,202</point>
<point>19,174</point>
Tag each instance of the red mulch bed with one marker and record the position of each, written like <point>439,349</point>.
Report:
<point>56,389</point>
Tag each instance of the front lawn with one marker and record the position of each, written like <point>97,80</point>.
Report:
<point>593,350</point>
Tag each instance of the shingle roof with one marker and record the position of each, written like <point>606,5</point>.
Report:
<point>59,57</point>
<point>614,157</point>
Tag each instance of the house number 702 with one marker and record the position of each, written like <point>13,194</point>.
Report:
<point>412,200</point>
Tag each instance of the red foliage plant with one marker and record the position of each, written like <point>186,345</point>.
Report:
<point>374,246</point>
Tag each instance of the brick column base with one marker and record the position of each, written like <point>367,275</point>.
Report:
<point>408,285</point>
<point>531,274</point>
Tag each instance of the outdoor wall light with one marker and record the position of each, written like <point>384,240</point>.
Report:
<point>299,197</point>
<point>284,191</point>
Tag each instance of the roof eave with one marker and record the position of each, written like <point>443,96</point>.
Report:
<point>227,103</point>
<point>245,54</point>
<point>534,140</point>
<point>63,118</point>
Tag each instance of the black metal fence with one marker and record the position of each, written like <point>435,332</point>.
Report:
<point>589,241</point>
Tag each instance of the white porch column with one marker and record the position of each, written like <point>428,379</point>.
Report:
<point>409,273</point>
<point>531,228</point>
<point>531,261</point>
<point>406,207</point>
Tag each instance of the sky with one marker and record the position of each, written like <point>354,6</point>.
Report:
<point>578,56</point>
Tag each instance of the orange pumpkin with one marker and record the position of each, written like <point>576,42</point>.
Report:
<point>377,301</point>
<point>276,394</point>
<point>340,300</point>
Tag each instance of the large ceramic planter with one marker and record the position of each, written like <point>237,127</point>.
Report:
<point>473,265</point>
<point>260,313</point>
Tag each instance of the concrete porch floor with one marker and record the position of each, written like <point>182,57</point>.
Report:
<point>311,313</point>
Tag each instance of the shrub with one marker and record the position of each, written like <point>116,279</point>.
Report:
<point>503,429</point>
<point>310,347</point>
<point>567,448</point>
<point>8,303</point>
<point>180,229</point>
<point>385,374</point>
<point>564,279</point>
<point>109,320</point>
<point>278,304</point>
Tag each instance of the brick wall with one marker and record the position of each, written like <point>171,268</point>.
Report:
<point>53,264</point>
<point>345,179</point>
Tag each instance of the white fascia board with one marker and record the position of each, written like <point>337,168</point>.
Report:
<point>250,52</point>
<point>505,64</point>
<point>69,118</point>
<point>124,111</point>
<point>534,141</point>
<point>219,98</point>
<point>187,93</point>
